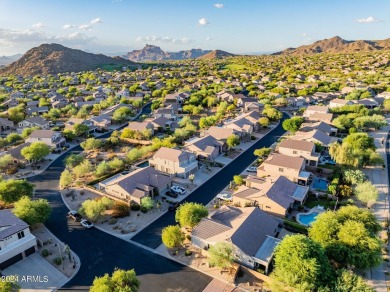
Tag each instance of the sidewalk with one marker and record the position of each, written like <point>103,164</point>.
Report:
<point>379,177</point>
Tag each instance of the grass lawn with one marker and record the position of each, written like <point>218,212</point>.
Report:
<point>312,202</point>
<point>234,67</point>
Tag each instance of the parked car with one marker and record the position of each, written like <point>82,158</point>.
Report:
<point>74,215</point>
<point>86,223</point>
<point>178,190</point>
<point>173,207</point>
<point>171,194</point>
<point>225,197</point>
<point>251,169</point>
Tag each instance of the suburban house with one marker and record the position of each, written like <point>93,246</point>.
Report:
<point>253,106</point>
<point>274,196</point>
<point>162,124</point>
<point>50,138</point>
<point>169,112</point>
<point>101,122</point>
<point>6,125</point>
<point>69,125</point>
<point>141,126</point>
<point>315,136</point>
<point>322,126</point>
<point>206,147</point>
<point>174,161</point>
<point>300,148</point>
<point>221,133</point>
<point>37,121</point>
<point>16,153</point>
<point>312,109</point>
<point>36,110</point>
<point>369,103</point>
<point>252,233</point>
<point>137,184</point>
<point>16,241</point>
<point>337,102</point>
<point>318,117</point>
<point>242,126</point>
<point>289,166</point>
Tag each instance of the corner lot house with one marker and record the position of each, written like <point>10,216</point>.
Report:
<point>137,184</point>
<point>50,138</point>
<point>16,241</point>
<point>174,161</point>
<point>291,167</point>
<point>275,197</point>
<point>252,232</point>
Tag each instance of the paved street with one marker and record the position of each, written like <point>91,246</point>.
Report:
<point>151,235</point>
<point>101,253</point>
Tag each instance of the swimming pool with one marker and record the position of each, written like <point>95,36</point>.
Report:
<point>307,219</point>
<point>319,184</point>
<point>143,164</point>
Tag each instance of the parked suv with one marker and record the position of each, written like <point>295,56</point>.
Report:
<point>74,215</point>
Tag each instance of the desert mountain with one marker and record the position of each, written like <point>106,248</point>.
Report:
<point>216,54</point>
<point>5,60</point>
<point>338,45</point>
<point>155,53</point>
<point>55,58</point>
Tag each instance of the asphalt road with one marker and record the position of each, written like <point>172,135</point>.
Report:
<point>101,253</point>
<point>151,235</point>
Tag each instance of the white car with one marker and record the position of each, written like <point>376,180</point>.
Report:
<point>225,197</point>
<point>86,223</point>
<point>251,169</point>
<point>178,190</point>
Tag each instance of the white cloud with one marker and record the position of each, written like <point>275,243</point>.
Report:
<point>21,36</point>
<point>74,38</point>
<point>208,39</point>
<point>85,27</point>
<point>369,19</point>
<point>38,25</point>
<point>96,20</point>
<point>219,5</point>
<point>165,39</point>
<point>67,26</point>
<point>203,21</point>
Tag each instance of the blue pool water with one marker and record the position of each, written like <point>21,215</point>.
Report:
<point>307,219</point>
<point>143,164</point>
<point>319,184</point>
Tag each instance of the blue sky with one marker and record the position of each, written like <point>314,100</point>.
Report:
<point>237,26</point>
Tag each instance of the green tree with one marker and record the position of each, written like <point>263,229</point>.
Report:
<point>16,114</point>
<point>238,180</point>
<point>232,141</point>
<point>122,114</point>
<point>93,209</point>
<point>73,160</point>
<point>32,212</point>
<point>353,176</point>
<point>147,202</point>
<point>121,280</point>
<point>36,151</point>
<point>102,168</point>
<point>27,132</point>
<point>301,264</point>
<point>221,255</point>
<point>92,144</point>
<point>116,163</point>
<point>366,193</point>
<point>172,236</point>
<point>272,113</point>
<point>189,214</point>
<point>80,130</point>
<point>66,179</point>
<point>293,124</point>
<point>264,122</point>
<point>12,190</point>
<point>349,237</point>
<point>347,281</point>
<point>82,169</point>
<point>9,286</point>
<point>5,161</point>
<point>13,137</point>
<point>262,152</point>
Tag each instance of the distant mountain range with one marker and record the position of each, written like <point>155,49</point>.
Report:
<point>338,45</point>
<point>5,60</point>
<point>55,58</point>
<point>155,53</point>
<point>216,54</point>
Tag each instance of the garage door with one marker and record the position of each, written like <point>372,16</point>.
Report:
<point>29,251</point>
<point>11,261</point>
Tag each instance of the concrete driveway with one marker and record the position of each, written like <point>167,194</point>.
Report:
<point>35,273</point>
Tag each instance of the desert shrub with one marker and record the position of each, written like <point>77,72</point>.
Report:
<point>135,207</point>
<point>144,210</point>
<point>57,261</point>
<point>188,253</point>
<point>45,253</point>
<point>120,209</point>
